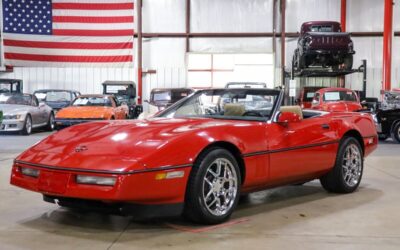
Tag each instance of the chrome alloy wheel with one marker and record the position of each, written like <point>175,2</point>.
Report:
<point>220,187</point>
<point>28,125</point>
<point>352,165</point>
<point>52,124</point>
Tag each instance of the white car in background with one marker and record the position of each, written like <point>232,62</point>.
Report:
<point>23,112</point>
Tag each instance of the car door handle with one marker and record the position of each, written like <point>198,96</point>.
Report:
<point>325,126</point>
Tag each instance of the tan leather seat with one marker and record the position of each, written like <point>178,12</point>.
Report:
<point>234,109</point>
<point>293,109</point>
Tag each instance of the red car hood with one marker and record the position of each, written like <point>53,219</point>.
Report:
<point>342,106</point>
<point>113,146</point>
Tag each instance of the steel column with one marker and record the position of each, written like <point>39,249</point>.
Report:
<point>387,45</point>
<point>283,40</point>
<point>139,54</point>
<point>187,25</point>
<point>343,12</point>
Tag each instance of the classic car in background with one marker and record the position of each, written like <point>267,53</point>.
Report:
<point>199,155</point>
<point>125,93</point>
<point>321,43</point>
<point>388,123</point>
<point>11,86</point>
<point>87,108</point>
<point>56,98</point>
<point>391,100</point>
<point>336,99</point>
<point>23,112</point>
<point>306,96</point>
<point>231,85</point>
<point>161,98</point>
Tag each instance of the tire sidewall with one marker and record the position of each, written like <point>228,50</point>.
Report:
<point>51,125</point>
<point>396,132</point>
<point>25,128</point>
<point>198,190</point>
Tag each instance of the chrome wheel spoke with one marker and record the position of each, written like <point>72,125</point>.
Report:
<point>220,187</point>
<point>352,165</point>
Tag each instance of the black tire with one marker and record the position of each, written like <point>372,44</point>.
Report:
<point>396,132</point>
<point>336,181</point>
<point>302,62</point>
<point>348,62</point>
<point>50,126</point>
<point>382,137</point>
<point>196,208</point>
<point>27,129</point>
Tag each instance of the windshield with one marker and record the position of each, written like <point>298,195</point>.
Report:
<point>335,96</point>
<point>321,28</point>
<point>92,101</point>
<point>15,99</point>
<point>235,85</point>
<point>54,96</point>
<point>246,104</point>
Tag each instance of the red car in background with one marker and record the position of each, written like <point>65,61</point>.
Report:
<point>306,96</point>
<point>336,100</point>
<point>199,155</point>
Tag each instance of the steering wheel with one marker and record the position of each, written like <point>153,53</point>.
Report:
<point>253,113</point>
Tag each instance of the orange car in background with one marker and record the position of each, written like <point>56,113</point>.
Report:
<point>86,108</point>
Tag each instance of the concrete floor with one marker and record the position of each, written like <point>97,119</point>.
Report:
<point>293,217</point>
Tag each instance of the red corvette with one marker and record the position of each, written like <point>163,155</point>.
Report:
<point>336,99</point>
<point>199,155</point>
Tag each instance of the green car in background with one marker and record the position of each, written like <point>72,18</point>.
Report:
<point>1,116</point>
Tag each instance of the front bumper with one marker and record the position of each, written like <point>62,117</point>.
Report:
<point>11,125</point>
<point>138,188</point>
<point>63,123</point>
<point>319,51</point>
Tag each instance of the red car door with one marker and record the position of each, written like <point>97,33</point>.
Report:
<point>301,148</point>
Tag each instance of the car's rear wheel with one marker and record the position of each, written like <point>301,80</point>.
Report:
<point>348,62</point>
<point>346,175</point>
<point>27,129</point>
<point>396,132</point>
<point>213,189</point>
<point>50,123</point>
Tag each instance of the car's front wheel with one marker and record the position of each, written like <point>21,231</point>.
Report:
<point>396,132</point>
<point>27,129</point>
<point>214,187</point>
<point>346,175</point>
<point>348,62</point>
<point>50,123</point>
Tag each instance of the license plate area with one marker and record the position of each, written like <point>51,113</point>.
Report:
<point>53,182</point>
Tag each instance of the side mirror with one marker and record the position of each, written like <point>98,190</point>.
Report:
<point>314,102</point>
<point>288,117</point>
<point>42,104</point>
<point>364,102</point>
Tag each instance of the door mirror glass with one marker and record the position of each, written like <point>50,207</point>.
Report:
<point>314,102</point>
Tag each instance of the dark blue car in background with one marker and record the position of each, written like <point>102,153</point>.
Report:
<point>56,98</point>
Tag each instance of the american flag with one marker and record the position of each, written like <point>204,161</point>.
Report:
<point>68,32</point>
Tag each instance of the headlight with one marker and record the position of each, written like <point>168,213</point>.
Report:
<point>30,172</point>
<point>96,180</point>
<point>12,117</point>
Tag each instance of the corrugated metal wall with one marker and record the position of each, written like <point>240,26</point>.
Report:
<point>167,55</point>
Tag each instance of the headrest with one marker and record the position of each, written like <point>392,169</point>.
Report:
<point>234,109</point>
<point>293,109</point>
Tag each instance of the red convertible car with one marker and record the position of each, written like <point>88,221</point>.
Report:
<point>198,155</point>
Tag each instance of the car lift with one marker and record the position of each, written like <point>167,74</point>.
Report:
<point>305,75</point>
